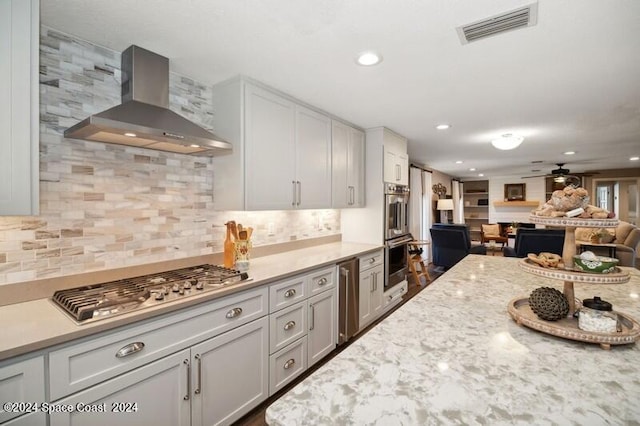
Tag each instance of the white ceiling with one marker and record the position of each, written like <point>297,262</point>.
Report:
<point>572,82</point>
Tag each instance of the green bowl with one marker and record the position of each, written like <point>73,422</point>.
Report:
<point>602,265</point>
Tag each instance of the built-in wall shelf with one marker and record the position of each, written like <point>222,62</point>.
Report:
<point>516,203</point>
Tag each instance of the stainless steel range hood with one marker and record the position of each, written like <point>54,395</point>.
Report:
<point>144,119</point>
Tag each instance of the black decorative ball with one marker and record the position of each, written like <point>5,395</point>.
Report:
<point>548,303</point>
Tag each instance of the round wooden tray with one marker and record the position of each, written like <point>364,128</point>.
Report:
<point>567,328</point>
<point>617,277</point>
<point>573,221</point>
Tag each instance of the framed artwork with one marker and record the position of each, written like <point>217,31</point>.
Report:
<point>514,191</point>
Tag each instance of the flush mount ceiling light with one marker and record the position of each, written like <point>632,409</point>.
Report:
<point>507,141</point>
<point>368,59</point>
<point>443,126</point>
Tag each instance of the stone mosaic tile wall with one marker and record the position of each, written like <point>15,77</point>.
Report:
<point>104,206</point>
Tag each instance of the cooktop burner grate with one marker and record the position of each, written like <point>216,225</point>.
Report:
<point>125,295</point>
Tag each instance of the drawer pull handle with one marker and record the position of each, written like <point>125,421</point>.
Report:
<point>372,260</point>
<point>290,293</point>
<point>290,363</point>
<point>234,313</point>
<point>130,349</point>
<point>289,325</point>
<point>199,359</point>
<point>188,364</point>
<point>322,281</point>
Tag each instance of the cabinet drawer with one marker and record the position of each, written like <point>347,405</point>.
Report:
<point>287,293</point>
<point>21,381</point>
<point>370,260</point>
<point>322,280</point>
<point>96,359</point>
<point>287,325</point>
<point>287,364</point>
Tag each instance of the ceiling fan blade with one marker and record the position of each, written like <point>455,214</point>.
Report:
<point>527,177</point>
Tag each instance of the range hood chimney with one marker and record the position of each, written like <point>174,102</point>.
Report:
<point>144,119</point>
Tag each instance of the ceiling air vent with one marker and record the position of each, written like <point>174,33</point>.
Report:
<point>526,16</point>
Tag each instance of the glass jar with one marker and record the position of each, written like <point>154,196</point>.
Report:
<point>597,315</point>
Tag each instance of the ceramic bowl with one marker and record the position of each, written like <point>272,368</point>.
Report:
<point>599,265</point>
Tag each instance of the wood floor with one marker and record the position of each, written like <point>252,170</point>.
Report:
<point>256,417</point>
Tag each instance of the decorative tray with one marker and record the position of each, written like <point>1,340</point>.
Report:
<point>617,277</point>
<point>573,221</point>
<point>567,328</point>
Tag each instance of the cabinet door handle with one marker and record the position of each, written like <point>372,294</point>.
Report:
<point>290,293</point>
<point>188,364</point>
<point>299,192</point>
<point>130,349</point>
<point>397,171</point>
<point>234,312</point>
<point>199,359</point>
<point>312,320</point>
<point>293,194</point>
<point>371,283</point>
<point>290,363</point>
<point>374,277</point>
<point>289,325</point>
<point>322,281</point>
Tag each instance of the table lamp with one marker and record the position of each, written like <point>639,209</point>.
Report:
<point>444,205</point>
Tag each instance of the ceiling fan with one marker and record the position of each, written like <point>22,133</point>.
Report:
<point>562,175</point>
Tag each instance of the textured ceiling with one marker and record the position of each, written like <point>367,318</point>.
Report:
<point>572,82</point>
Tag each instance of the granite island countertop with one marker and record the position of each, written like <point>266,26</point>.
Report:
<point>39,324</point>
<point>453,355</point>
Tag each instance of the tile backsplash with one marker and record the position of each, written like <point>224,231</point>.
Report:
<point>107,206</point>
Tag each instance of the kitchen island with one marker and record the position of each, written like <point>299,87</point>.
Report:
<point>453,355</point>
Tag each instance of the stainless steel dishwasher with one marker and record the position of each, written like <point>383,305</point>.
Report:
<point>349,299</point>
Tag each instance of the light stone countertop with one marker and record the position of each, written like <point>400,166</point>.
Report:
<point>453,355</point>
<point>38,324</point>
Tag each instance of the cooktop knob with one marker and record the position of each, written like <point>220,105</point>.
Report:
<point>159,295</point>
<point>175,288</point>
<point>181,290</point>
<point>199,285</point>
<point>187,285</point>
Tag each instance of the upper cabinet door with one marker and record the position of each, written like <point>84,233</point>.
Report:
<point>19,107</point>
<point>313,159</point>
<point>396,159</point>
<point>270,150</point>
<point>347,163</point>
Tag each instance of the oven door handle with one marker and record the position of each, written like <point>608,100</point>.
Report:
<point>398,243</point>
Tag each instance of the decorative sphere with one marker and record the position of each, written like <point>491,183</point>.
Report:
<point>548,303</point>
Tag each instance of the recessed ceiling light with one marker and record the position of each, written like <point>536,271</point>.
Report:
<point>507,141</point>
<point>459,162</point>
<point>569,152</point>
<point>473,169</point>
<point>368,59</point>
<point>443,126</point>
<point>634,158</point>
<point>193,145</point>
<point>481,174</point>
<point>131,135</point>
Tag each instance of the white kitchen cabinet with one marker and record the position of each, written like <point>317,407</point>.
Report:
<point>371,288</point>
<point>396,159</point>
<point>321,338</point>
<point>21,381</point>
<point>281,155</point>
<point>155,394</point>
<point>348,166</point>
<point>33,419</point>
<point>230,374</point>
<point>19,107</point>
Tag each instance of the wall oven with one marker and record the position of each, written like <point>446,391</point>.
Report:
<point>396,260</point>
<point>396,211</point>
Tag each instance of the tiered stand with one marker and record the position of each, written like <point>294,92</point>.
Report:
<point>520,311</point>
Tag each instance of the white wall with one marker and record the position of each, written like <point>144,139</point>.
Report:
<point>534,191</point>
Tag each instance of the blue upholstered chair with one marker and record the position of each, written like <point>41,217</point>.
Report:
<point>536,241</point>
<point>451,243</point>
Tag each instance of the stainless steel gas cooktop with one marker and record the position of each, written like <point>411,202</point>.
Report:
<point>106,300</point>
